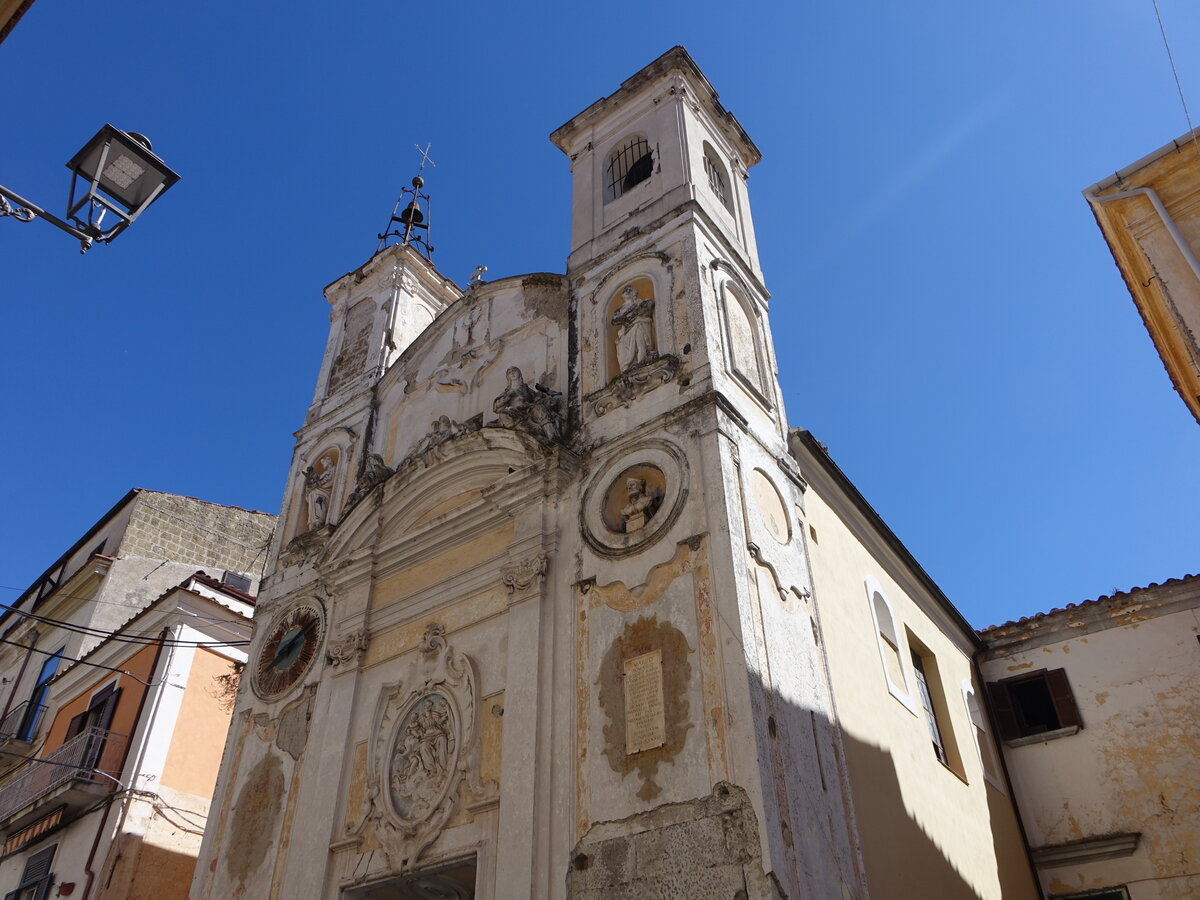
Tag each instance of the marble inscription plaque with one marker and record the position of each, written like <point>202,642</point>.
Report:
<point>645,720</point>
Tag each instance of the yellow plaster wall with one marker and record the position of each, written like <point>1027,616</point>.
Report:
<point>194,755</point>
<point>459,559</point>
<point>926,831</point>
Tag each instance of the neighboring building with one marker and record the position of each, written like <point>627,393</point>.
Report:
<point>1149,213</point>
<point>934,813</point>
<point>1096,704</point>
<point>541,619</point>
<point>118,665</point>
<point>10,13</point>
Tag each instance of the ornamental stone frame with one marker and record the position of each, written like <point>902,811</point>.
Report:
<point>424,748</point>
<point>646,455</point>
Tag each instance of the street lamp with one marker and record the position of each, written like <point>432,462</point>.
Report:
<point>115,172</point>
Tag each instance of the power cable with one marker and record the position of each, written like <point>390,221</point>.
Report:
<point>80,661</point>
<point>1174,71</point>
<point>143,639</point>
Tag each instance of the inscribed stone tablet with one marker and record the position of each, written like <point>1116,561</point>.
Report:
<point>645,721</point>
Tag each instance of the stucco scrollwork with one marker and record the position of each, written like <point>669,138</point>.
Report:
<point>347,649</point>
<point>424,750</point>
<point>520,575</point>
<point>632,383</point>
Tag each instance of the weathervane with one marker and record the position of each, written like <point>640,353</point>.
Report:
<point>410,224</point>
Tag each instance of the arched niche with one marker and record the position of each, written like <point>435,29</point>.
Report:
<point>630,325</point>
<point>744,341</point>
<point>323,475</point>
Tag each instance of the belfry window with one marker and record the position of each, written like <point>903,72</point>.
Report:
<point>628,166</point>
<point>718,180</point>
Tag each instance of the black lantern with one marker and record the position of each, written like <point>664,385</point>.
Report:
<point>116,172</point>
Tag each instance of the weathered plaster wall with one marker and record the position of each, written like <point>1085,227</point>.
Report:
<point>1131,662</point>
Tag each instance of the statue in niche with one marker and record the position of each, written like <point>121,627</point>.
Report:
<point>318,485</point>
<point>634,323</point>
<point>643,504</point>
<point>533,410</point>
<point>423,756</point>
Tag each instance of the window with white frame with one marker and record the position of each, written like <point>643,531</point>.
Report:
<point>888,640</point>
<point>983,738</point>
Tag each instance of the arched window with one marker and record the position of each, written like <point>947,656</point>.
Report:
<point>629,165</point>
<point>888,639</point>
<point>718,180</point>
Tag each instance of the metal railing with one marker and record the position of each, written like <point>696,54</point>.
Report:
<point>91,756</point>
<point>20,722</point>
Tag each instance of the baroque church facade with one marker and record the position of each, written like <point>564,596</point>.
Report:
<point>540,618</point>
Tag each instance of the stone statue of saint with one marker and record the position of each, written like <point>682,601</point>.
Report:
<point>634,321</point>
<point>318,483</point>
<point>534,410</point>
<point>643,504</point>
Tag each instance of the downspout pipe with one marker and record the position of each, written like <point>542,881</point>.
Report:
<point>1152,195</point>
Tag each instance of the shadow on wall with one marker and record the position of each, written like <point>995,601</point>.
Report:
<point>136,870</point>
<point>902,861</point>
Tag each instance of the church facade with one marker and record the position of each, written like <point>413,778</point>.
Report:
<point>540,618</point>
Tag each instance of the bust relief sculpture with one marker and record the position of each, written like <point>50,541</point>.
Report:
<point>643,504</point>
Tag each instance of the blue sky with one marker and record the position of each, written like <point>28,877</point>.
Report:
<point>949,319</point>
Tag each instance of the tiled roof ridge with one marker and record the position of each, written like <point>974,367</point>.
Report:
<point>1183,579</point>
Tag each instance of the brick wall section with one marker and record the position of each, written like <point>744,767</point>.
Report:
<point>186,530</point>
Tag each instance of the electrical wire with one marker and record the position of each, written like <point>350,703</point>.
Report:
<point>1174,71</point>
<point>86,599</point>
<point>81,661</point>
<point>121,637</point>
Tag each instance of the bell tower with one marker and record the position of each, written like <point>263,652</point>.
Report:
<point>689,482</point>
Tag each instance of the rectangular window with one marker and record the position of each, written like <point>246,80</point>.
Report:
<point>37,877</point>
<point>932,697</point>
<point>1036,706</point>
<point>37,700</point>
<point>935,733</point>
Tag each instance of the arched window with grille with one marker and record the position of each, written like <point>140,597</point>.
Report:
<point>629,165</point>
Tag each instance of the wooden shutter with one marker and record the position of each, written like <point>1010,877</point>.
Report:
<point>105,707</point>
<point>1063,699</point>
<point>1002,711</point>
<point>77,724</point>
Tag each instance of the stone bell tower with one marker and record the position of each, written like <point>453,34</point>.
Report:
<point>538,621</point>
<point>702,689</point>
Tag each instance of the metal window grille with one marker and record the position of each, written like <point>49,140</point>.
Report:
<point>630,165</point>
<point>716,179</point>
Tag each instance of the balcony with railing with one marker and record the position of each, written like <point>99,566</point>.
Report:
<point>20,722</point>
<point>75,774</point>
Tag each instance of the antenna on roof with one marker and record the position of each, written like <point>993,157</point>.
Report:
<point>411,224</point>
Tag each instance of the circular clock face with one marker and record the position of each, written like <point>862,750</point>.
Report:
<point>289,649</point>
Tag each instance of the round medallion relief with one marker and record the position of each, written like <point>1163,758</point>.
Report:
<point>423,757</point>
<point>634,498</point>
